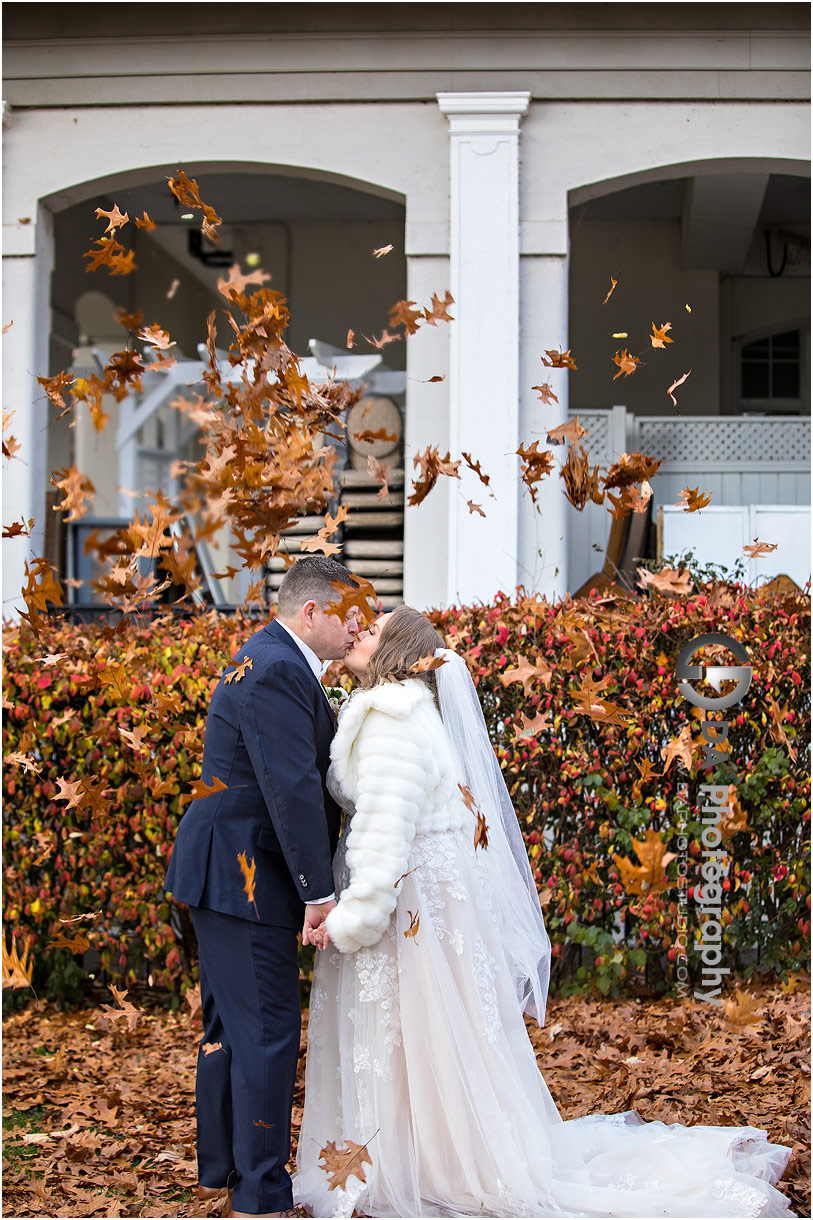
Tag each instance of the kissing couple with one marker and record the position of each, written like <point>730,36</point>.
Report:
<point>431,947</point>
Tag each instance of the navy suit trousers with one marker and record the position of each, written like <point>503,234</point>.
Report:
<point>249,985</point>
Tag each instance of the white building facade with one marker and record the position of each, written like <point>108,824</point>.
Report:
<point>521,156</point>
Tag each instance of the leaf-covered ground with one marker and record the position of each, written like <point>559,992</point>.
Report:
<point>98,1117</point>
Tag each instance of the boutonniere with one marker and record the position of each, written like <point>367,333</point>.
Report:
<point>336,697</point>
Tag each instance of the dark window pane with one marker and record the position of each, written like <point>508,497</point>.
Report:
<point>757,351</point>
<point>785,381</point>
<point>786,344</point>
<point>754,380</point>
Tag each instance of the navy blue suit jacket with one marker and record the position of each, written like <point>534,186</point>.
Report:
<point>268,738</point>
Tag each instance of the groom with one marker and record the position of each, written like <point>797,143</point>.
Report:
<point>268,735</point>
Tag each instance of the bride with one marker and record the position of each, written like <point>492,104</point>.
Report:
<point>417,1046</point>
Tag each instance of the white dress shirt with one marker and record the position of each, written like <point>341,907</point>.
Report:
<point>318,666</point>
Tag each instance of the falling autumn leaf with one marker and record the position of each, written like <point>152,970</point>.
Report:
<point>368,438</point>
<point>17,968</point>
<point>125,1010</point>
<point>659,337</point>
<point>475,467</point>
<point>115,218</point>
<point>7,326</point>
<point>146,223</point>
<point>432,466</point>
<point>382,251</point>
<point>546,394</point>
<point>340,1163</point>
<point>558,360</point>
<point>627,363</point>
<point>414,924</point>
<point>349,340</point>
<point>439,313</point>
<point>742,1009</point>
<point>249,883</point>
<point>690,501</point>
<point>756,548</point>
<point>402,314</point>
<point>404,876</point>
<point>475,508</point>
<point>572,431</point>
<point>648,877</point>
<point>76,944</point>
<point>526,673</point>
<point>186,190</point>
<point>612,290</point>
<point>675,385</point>
<point>239,671</point>
<point>535,465</point>
<point>669,580</point>
<point>201,789</point>
<point>423,664</point>
<point>209,1048</point>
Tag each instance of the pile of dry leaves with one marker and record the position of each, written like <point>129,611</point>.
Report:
<point>99,1103</point>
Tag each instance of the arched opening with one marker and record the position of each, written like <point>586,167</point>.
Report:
<point>314,235</point>
<point>721,251</point>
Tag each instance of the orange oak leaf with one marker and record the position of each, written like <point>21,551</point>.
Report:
<point>382,251</point>
<point>647,771</point>
<point>474,508</point>
<point>76,944</point>
<point>546,394</point>
<point>571,431</point>
<point>756,548</point>
<point>348,343</point>
<point>432,467</point>
<point>71,791</point>
<point>237,282</point>
<point>692,499</point>
<point>249,883</point>
<point>426,663</point>
<point>186,190</point>
<point>378,471</point>
<point>130,321</point>
<point>527,674</point>
<point>115,218</point>
<point>147,223</point>
<point>382,341</point>
<point>357,599</point>
<point>485,479</point>
<point>648,876</point>
<point>136,738</point>
<point>414,924</point>
<point>156,337</point>
<point>402,314</point>
<point>19,758</point>
<point>7,326</point>
<point>125,1011</point>
<point>558,360</point>
<point>76,489</point>
<point>675,385</point>
<point>742,1009</point>
<point>201,789</point>
<point>340,1163</point>
<point>612,290</point>
<point>535,465</point>
<point>659,337</point>
<point>404,876</point>
<point>531,727</point>
<point>368,437</point>
<point>209,1048</point>
<point>18,528</point>
<point>17,967</point>
<point>669,580</point>
<point>439,312</point>
<point>682,747</point>
<point>239,671</point>
<point>627,363</point>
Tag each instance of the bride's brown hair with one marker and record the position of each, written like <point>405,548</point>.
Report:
<point>406,636</point>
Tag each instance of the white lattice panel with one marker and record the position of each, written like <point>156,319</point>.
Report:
<point>724,439</point>
<point>597,441</point>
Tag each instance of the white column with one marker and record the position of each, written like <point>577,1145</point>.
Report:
<point>543,526</point>
<point>484,357</point>
<point>28,253</point>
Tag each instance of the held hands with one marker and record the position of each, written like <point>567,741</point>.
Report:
<point>313,930</point>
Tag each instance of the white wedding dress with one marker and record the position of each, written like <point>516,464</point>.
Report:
<point>418,1049</point>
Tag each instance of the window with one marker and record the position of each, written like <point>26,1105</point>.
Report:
<point>773,372</point>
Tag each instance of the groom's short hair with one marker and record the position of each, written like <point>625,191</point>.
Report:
<point>310,578</point>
